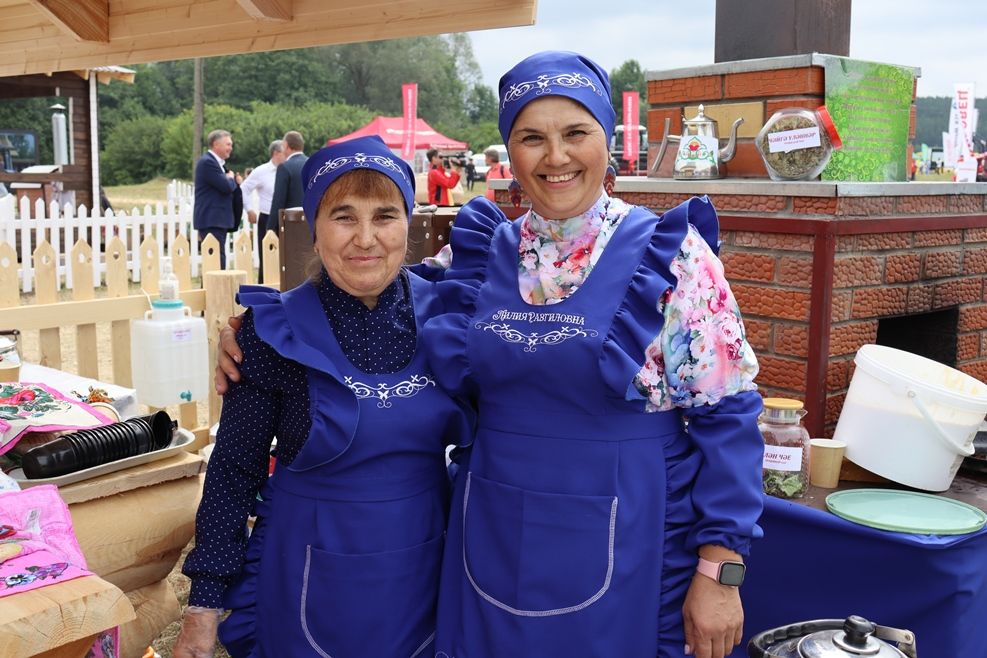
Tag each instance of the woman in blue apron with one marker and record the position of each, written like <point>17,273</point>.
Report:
<point>344,556</point>
<point>588,331</point>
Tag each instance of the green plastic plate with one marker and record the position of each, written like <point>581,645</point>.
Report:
<point>906,511</point>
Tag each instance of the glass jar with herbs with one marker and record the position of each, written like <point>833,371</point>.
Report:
<point>796,143</point>
<point>786,448</point>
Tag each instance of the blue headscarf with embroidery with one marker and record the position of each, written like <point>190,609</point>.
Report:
<point>556,73</point>
<point>370,153</point>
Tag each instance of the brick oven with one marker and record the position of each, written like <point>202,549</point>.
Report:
<point>820,269</point>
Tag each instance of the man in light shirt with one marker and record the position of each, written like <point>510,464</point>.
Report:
<point>262,180</point>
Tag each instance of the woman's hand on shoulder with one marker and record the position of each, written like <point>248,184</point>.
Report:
<point>198,636</point>
<point>713,618</point>
<point>228,356</point>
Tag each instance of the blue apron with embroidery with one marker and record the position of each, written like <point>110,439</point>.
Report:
<point>567,533</point>
<point>344,558</point>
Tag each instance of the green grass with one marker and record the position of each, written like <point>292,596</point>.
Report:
<point>946,176</point>
<point>126,197</point>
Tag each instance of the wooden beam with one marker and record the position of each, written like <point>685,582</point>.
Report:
<point>267,10</point>
<point>151,31</point>
<point>41,316</point>
<point>83,20</point>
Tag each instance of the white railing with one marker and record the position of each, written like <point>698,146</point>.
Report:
<point>63,226</point>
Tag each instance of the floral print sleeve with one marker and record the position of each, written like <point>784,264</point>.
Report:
<point>702,353</point>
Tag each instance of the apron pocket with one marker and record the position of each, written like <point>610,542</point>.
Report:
<point>536,554</point>
<point>380,604</point>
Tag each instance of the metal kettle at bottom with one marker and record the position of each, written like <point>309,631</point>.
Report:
<point>853,637</point>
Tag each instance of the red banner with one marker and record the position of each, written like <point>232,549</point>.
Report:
<point>631,138</point>
<point>409,99</point>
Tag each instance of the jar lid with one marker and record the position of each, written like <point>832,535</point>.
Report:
<point>785,404</point>
<point>827,122</point>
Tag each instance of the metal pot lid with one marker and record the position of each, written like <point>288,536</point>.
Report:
<point>855,639</point>
<point>7,345</point>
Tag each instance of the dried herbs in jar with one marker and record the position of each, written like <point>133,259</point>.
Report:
<point>786,448</point>
<point>796,143</point>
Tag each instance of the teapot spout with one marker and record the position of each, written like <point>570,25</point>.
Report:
<point>728,151</point>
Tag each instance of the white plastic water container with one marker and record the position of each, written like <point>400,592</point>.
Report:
<point>910,419</point>
<point>169,355</point>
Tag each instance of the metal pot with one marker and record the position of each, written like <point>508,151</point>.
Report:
<point>853,637</point>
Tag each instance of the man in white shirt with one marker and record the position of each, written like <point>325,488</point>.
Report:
<point>262,180</point>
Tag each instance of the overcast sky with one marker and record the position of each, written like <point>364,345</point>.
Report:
<point>947,39</point>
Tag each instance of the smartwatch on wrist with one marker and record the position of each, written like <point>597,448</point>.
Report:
<point>727,572</point>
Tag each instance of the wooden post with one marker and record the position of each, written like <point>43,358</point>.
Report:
<point>117,286</point>
<point>86,347</point>
<point>221,288</point>
<point>209,250</point>
<point>197,111</point>
<point>46,292</point>
<point>150,268</point>
<point>180,262</point>
<point>9,287</point>
<point>269,247</point>
<point>243,254</point>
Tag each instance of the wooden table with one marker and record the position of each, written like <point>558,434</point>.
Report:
<point>132,526</point>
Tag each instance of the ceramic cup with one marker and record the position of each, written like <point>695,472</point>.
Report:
<point>825,460</point>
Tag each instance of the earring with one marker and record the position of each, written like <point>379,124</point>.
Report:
<point>609,180</point>
<point>514,190</point>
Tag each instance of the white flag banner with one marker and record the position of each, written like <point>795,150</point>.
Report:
<point>948,152</point>
<point>963,101</point>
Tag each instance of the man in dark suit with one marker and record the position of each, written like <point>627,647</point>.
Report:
<point>288,184</point>
<point>215,193</point>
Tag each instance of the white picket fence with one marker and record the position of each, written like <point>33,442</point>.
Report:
<point>62,226</point>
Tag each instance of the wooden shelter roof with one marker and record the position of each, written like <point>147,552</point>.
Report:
<point>44,36</point>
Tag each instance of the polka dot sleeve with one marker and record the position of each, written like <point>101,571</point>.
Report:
<point>237,469</point>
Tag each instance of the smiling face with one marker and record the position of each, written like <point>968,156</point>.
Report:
<point>361,236</point>
<point>559,156</point>
<point>223,147</point>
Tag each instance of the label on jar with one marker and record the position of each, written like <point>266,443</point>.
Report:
<point>182,335</point>
<point>782,458</point>
<point>793,140</point>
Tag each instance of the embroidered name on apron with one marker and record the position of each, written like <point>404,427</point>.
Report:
<point>569,326</point>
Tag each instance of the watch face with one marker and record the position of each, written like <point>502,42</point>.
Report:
<point>732,573</point>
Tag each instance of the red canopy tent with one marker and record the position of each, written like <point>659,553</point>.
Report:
<point>391,130</point>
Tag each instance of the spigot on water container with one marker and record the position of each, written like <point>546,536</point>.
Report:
<point>169,352</point>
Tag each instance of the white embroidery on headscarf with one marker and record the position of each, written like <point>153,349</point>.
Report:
<point>543,85</point>
<point>359,160</point>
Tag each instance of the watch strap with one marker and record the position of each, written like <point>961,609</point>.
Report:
<point>713,570</point>
<point>709,569</point>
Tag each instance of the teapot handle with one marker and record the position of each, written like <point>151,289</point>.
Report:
<point>665,139</point>
<point>905,639</point>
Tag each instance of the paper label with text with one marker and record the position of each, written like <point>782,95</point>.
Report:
<point>793,140</point>
<point>181,335</point>
<point>782,458</point>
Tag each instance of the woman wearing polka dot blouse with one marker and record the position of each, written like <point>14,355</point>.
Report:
<point>344,555</point>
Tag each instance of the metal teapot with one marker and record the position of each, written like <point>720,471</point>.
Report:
<point>853,637</point>
<point>699,155</point>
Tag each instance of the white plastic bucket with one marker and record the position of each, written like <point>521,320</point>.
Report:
<point>910,419</point>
